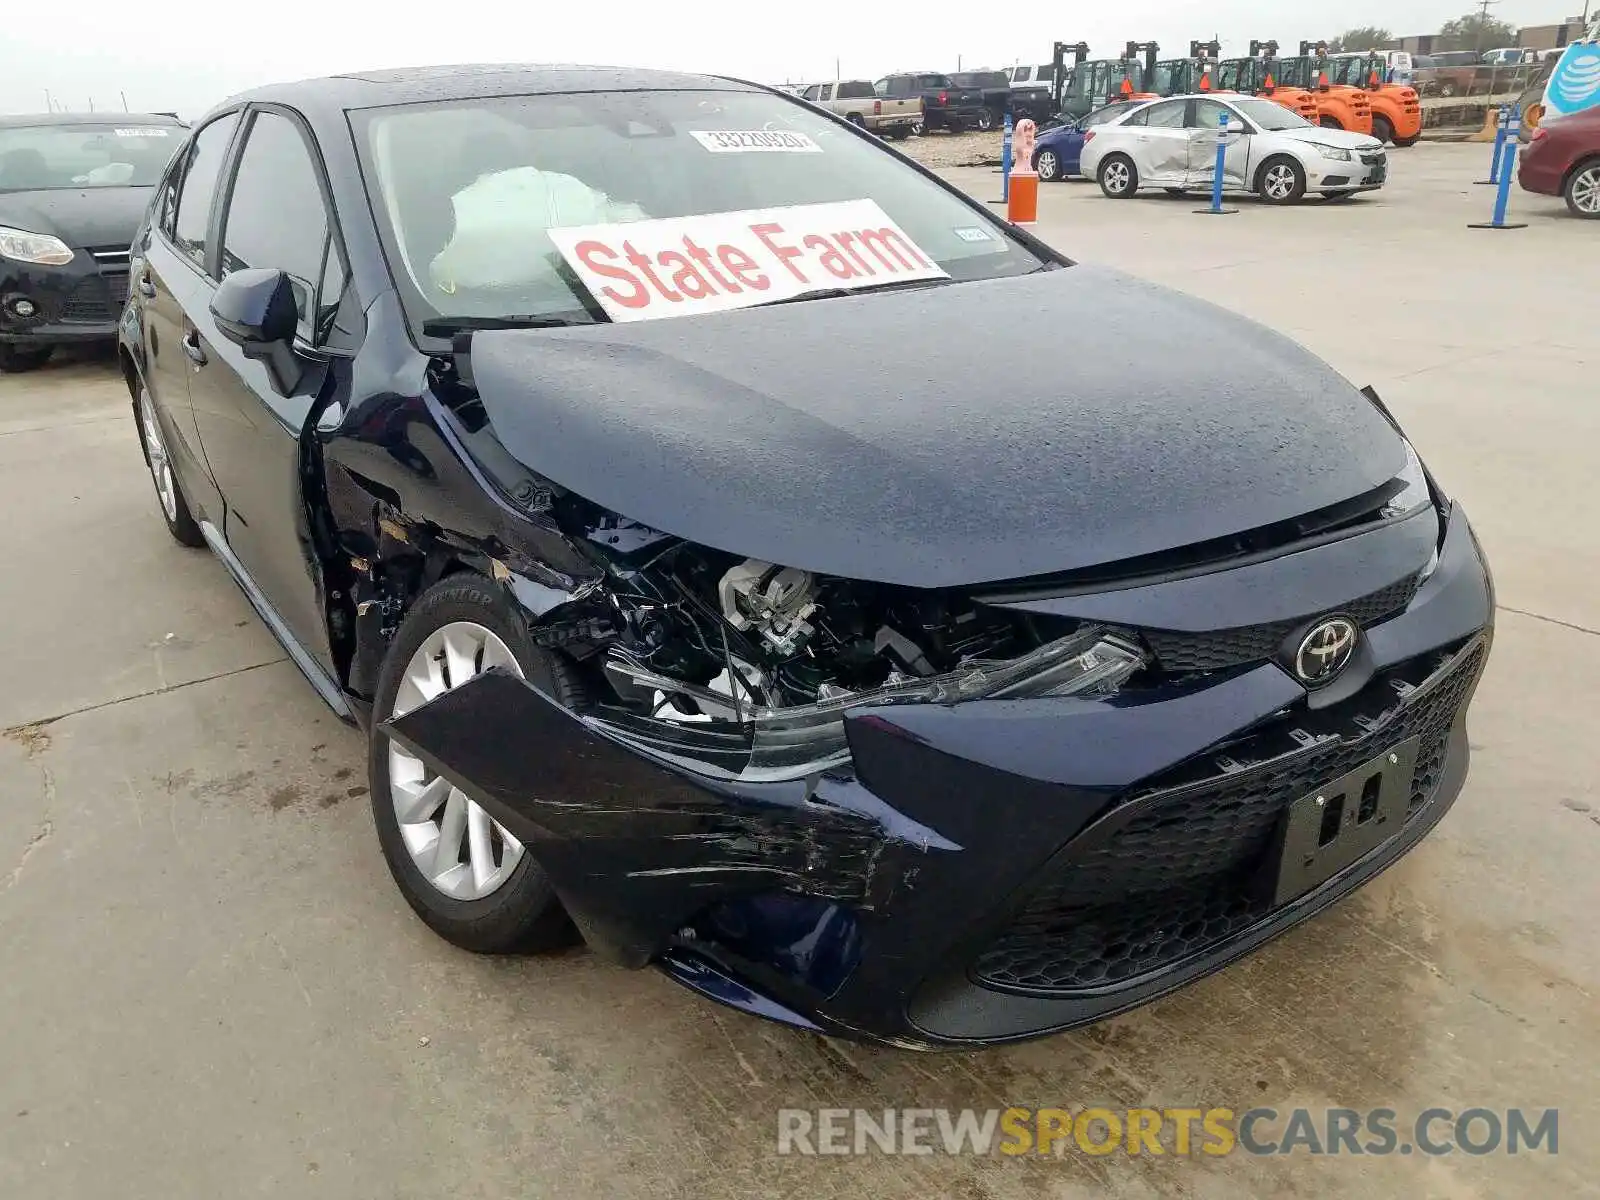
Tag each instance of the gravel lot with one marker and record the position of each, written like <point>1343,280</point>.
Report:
<point>211,989</point>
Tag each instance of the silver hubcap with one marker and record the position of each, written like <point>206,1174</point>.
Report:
<point>458,847</point>
<point>1116,178</point>
<point>1047,165</point>
<point>1586,191</point>
<point>1280,183</point>
<point>156,450</point>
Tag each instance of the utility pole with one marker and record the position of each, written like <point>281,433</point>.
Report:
<point>1483,20</point>
<point>49,104</point>
<point>124,96</point>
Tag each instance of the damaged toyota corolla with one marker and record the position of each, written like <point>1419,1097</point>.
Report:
<point>823,644</point>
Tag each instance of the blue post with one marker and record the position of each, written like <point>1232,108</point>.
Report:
<point>1499,148</point>
<point>1005,161</point>
<point>1216,208</point>
<point>1506,169</point>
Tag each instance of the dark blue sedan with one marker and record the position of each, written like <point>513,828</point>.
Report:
<point>1055,154</point>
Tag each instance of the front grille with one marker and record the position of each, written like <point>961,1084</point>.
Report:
<point>95,300</point>
<point>1181,874</point>
<point>1182,653</point>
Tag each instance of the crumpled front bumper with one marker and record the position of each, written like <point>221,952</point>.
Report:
<point>873,901</point>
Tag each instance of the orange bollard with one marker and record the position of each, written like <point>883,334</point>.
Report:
<point>1022,189</point>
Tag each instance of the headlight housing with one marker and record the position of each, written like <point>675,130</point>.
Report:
<point>1336,153</point>
<point>1415,495</point>
<point>22,246</point>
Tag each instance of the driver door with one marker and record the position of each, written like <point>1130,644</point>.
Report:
<point>1203,125</point>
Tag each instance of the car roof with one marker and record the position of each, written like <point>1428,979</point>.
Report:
<point>332,94</point>
<point>32,120</point>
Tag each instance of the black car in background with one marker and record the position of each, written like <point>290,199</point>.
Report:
<point>740,641</point>
<point>995,87</point>
<point>72,191</point>
<point>944,104</point>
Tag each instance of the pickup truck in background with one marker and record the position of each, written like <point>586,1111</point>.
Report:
<point>944,105</point>
<point>996,89</point>
<point>858,102</point>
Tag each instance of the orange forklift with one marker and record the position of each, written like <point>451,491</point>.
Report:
<point>1258,76</point>
<point>1396,108</point>
<point>1186,76</point>
<point>1338,106</point>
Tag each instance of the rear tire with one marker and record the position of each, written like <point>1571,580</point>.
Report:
<point>919,127</point>
<point>1048,164</point>
<point>986,121</point>
<point>1582,192</point>
<point>1119,178</point>
<point>521,912</point>
<point>1282,180</point>
<point>14,360</point>
<point>857,120</point>
<point>169,492</point>
<point>1383,129</point>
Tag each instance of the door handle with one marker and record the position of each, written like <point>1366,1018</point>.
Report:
<point>191,346</point>
<point>146,288</point>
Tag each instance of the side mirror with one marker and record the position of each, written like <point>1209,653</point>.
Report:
<point>255,308</point>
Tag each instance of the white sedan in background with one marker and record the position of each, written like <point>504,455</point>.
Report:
<point>1272,152</point>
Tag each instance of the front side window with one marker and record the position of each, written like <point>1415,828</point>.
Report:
<point>813,92</point>
<point>79,155</point>
<point>466,192</point>
<point>276,217</point>
<point>191,226</point>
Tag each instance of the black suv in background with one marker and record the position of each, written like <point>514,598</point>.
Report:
<point>72,191</point>
<point>944,105</point>
<point>995,87</point>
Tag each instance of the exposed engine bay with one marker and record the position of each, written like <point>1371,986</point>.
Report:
<point>751,665</point>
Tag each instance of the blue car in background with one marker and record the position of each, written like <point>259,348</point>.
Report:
<point>1056,152</point>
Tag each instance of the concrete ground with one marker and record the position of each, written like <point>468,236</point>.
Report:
<point>209,987</point>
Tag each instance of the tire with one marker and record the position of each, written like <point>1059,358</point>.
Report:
<point>1582,191</point>
<point>857,120</point>
<point>1281,180</point>
<point>170,499</point>
<point>1119,178</point>
<point>1407,143</point>
<point>1048,164</point>
<point>985,121</point>
<point>521,911</point>
<point>919,127</point>
<point>1382,129</point>
<point>1449,89</point>
<point>14,361</point>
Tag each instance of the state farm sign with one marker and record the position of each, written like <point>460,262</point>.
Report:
<point>643,270</point>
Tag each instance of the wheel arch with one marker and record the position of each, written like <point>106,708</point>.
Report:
<point>1582,162</point>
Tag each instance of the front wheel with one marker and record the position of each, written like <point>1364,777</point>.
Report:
<point>1048,165</point>
<point>1383,129</point>
<point>1583,191</point>
<point>1119,178</point>
<point>14,360</point>
<point>1282,181</point>
<point>467,876</point>
<point>174,507</point>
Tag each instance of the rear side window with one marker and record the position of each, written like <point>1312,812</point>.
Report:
<point>276,215</point>
<point>193,220</point>
<point>932,81</point>
<point>855,90</point>
<point>1165,116</point>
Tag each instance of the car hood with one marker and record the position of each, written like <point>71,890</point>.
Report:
<point>1341,138</point>
<point>950,436</point>
<point>96,216</point>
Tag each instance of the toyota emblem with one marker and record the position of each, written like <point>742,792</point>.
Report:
<point>1326,650</point>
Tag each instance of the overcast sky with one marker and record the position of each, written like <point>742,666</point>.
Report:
<point>185,55</point>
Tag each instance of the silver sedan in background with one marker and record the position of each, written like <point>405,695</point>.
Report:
<point>1271,151</point>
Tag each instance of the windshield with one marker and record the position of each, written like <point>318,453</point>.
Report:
<point>1269,116</point>
<point>45,157</point>
<point>468,192</point>
<point>1355,72</point>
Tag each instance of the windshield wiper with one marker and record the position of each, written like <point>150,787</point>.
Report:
<point>448,327</point>
<point>832,293</point>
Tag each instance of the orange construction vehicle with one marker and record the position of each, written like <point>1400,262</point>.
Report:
<point>1258,76</point>
<point>1186,76</point>
<point>1396,109</point>
<point>1338,106</point>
